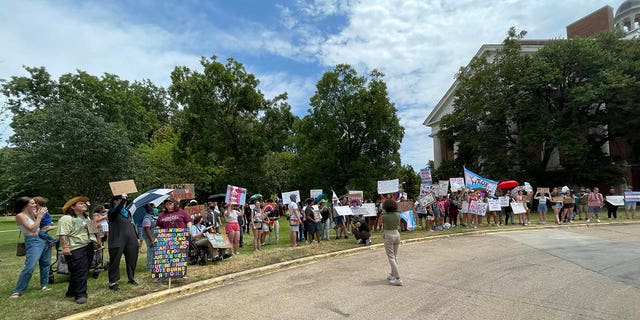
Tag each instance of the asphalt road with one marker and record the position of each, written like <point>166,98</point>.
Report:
<point>564,273</point>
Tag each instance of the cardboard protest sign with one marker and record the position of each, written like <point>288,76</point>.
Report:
<point>388,186</point>
<point>93,227</point>
<point>123,187</point>
<point>542,191</point>
<point>405,205</point>
<point>557,199</point>
<point>356,194</point>
<point>632,196</point>
<point>343,210</point>
<point>518,208</point>
<point>615,200</point>
<point>494,204</point>
<point>182,191</point>
<point>193,210</point>
<point>478,207</point>
<point>235,195</point>
<point>286,196</point>
<point>219,241</point>
<point>314,193</point>
<point>170,253</point>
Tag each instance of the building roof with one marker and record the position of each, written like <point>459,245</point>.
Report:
<point>627,5</point>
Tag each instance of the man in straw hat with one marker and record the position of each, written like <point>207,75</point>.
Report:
<point>77,246</point>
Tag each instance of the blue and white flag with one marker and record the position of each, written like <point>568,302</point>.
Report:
<point>475,181</point>
<point>407,216</point>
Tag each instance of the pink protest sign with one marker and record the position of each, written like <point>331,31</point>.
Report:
<point>235,195</point>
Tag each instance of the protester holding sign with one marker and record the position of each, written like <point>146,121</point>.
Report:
<point>257,219</point>
<point>595,200</point>
<point>542,206</point>
<point>557,199</point>
<point>149,229</point>
<point>629,206</point>
<point>123,239</point>
<point>232,226</point>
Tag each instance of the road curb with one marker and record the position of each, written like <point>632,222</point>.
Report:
<point>109,311</point>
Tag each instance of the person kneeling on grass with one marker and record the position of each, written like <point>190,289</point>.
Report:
<point>361,231</point>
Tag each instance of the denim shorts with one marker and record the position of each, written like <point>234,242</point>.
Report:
<point>542,208</point>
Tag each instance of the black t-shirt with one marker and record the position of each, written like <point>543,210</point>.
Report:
<point>325,214</point>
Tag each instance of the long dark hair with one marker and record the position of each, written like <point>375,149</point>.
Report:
<point>20,204</point>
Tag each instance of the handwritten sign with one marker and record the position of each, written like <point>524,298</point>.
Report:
<point>192,210</point>
<point>443,188</point>
<point>122,187</point>
<point>518,208</point>
<point>314,193</point>
<point>219,240</point>
<point>372,211</point>
<point>356,194</point>
<point>504,201</point>
<point>170,253</point>
<point>477,207</point>
<point>494,204</point>
<point>235,195</point>
<point>286,196</point>
<point>456,184</point>
<point>343,210</point>
<point>616,200</point>
<point>182,191</point>
<point>557,199</point>
<point>632,196</point>
<point>427,199</point>
<point>388,186</point>
<point>425,175</point>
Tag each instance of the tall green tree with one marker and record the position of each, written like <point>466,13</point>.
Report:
<point>352,135</point>
<point>63,150</point>
<point>227,123</point>
<point>521,116</point>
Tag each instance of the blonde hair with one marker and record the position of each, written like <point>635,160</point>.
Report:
<point>41,201</point>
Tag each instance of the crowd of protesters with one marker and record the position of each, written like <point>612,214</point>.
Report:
<point>310,222</point>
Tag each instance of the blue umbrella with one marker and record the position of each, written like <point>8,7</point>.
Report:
<point>155,196</point>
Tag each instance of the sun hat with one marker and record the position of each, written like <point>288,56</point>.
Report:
<point>73,201</point>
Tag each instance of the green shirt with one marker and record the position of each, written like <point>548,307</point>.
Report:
<point>75,228</point>
<point>390,220</point>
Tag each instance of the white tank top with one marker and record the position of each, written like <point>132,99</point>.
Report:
<point>25,230</point>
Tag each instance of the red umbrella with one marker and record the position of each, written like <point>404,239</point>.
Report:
<point>507,184</point>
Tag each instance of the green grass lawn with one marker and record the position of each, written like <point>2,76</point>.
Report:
<point>53,304</point>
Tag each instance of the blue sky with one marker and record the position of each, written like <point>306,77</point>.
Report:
<point>287,44</point>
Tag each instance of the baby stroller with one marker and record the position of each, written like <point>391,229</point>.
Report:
<point>97,263</point>
<point>59,265</point>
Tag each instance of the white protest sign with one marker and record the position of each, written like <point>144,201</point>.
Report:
<point>504,201</point>
<point>465,207</point>
<point>356,194</point>
<point>372,211</point>
<point>388,186</point>
<point>343,210</point>
<point>443,188</point>
<point>427,199</point>
<point>494,204</point>
<point>615,200</point>
<point>477,207</point>
<point>456,184</point>
<point>286,196</point>
<point>518,208</point>
<point>314,193</point>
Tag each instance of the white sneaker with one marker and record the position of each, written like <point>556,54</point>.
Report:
<point>359,241</point>
<point>597,220</point>
<point>390,277</point>
<point>368,242</point>
<point>395,282</point>
<point>588,220</point>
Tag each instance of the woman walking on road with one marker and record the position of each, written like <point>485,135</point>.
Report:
<point>391,236</point>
